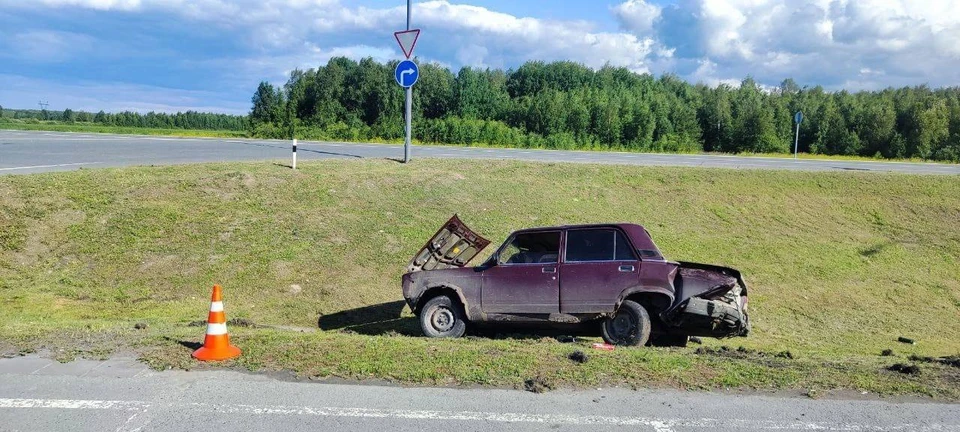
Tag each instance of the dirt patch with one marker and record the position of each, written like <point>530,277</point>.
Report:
<point>905,369</point>
<point>578,357</point>
<point>742,353</point>
<point>953,361</point>
<point>162,261</point>
<point>537,385</point>
<point>282,270</point>
<point>42,234</point>
<point>238,322</point>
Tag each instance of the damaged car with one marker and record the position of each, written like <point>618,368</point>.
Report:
<point>610,275</point>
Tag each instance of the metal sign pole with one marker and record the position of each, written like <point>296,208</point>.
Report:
<point>409,106</point>
<point>796,142</point>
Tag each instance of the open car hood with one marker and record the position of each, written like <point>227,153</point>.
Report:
<point>454,245</point>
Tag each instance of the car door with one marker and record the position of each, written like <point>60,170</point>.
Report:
<point>598,264</point>
<point>523,279</point>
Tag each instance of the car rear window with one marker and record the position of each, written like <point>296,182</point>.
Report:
<point>598,245</point>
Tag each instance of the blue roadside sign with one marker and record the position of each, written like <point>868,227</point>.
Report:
<point>406,73</point>
<point>798,117</point>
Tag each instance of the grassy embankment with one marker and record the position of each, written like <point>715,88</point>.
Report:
<point>840,265</point>
<point>55,126</point>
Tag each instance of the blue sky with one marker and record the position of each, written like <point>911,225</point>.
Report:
<point>170,55</point>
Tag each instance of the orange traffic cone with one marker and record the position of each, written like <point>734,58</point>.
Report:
<point>216,344</point>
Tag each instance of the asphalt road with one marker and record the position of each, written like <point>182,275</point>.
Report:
<point>23,152</point>
<point>123,395</point>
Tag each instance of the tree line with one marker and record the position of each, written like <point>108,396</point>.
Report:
<point>566,105</point>
<point>181,120</point>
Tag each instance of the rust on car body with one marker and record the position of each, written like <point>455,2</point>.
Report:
<point>572,274</point>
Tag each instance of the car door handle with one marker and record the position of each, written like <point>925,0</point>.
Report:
<point>549,270</point>
<point>626,268</point>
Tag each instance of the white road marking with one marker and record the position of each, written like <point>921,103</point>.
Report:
<point>72,404</point>
<point>49,166</point>
<point>659,425</point>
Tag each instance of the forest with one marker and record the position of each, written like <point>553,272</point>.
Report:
<point>565,105</point>
<point>182,120</point>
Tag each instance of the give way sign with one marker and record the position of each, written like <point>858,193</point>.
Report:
<point>407,40</point>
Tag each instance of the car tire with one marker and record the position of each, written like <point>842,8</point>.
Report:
<point>629,327</point>
<point>441,317</point>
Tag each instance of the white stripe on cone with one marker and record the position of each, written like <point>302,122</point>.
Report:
<point>216,329</point>
<point>216,306</point>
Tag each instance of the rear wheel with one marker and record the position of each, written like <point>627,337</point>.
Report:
<point>442,317</point>
<point>629,327</point>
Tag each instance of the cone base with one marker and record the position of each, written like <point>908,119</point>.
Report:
<point>208,354</point>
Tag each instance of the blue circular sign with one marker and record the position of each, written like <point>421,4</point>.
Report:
<point>406,73</point>
<point>798,117</point>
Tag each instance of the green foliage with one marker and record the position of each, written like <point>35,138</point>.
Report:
<point>190,120</point>
<point>569,106</point>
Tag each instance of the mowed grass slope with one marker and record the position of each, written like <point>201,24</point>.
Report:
<point>839,266</point>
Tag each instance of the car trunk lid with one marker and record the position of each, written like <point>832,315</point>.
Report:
<point>454,245</point>
<point>711,301</point>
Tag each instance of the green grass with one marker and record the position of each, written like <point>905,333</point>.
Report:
<point>839,266</point>
<point>98,128</point>
<point>54,126</point>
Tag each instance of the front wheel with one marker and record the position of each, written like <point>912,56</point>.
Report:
<point>441,317</point>
<point>629,327</point>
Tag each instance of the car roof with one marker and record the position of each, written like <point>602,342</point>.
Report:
<point>581,226</point>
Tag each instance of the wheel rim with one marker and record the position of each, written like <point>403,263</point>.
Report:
<point>442,319</point>
<point>622,326</point>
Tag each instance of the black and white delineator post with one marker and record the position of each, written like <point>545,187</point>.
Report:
<point>294,165</point>
<point>796,143</point>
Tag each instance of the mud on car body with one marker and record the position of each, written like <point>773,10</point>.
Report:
<point>611,274</point>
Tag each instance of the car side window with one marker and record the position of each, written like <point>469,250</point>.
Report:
<point>624,252</point>
<point>532,248</point>
<point>598,245</point>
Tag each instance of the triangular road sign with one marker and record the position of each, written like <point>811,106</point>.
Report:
<point>407,40</point>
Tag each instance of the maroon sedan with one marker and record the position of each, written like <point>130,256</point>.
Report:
<point>612,274</point>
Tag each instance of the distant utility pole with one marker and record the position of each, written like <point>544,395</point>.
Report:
<point>43,108</point>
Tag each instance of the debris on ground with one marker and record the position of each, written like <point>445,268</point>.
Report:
<point>905,369</point>
<point>948,360</point>
<point>140,326</point>
<point>886,353</point>
<point>603,346</point>
<point>537,385</point>
<point>906,340</point>
<point>578,356</point>
<point>566,339</point>
<point>200,323</point>
<point>696,340</point>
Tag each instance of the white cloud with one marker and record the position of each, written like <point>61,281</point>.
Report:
<point>637,15</point>
<point>451,30</point>
<point>95,4</point>
<point>906,42</point>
